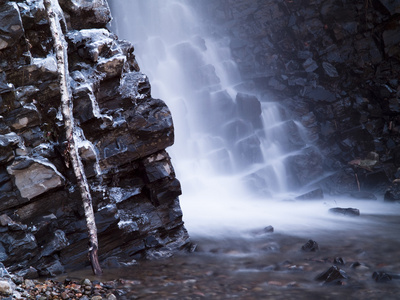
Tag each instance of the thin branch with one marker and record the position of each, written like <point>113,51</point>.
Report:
<point>60,47</point>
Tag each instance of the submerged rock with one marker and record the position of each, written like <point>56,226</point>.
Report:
<point>381,277</point>
<point>339,261</point>
<point>345,211</point>
<point>310,246</point>
<point>268,229</point>
<point>333,275</point>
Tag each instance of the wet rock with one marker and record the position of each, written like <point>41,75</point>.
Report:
<point>29,273</point>
<point>3,271</point>
<point>320,94</point>
<point>5,220</point>
<point>310,246</point>
<point>392,6</point>
<point>249,107</point>
<point>310,65</point>
<point>35,177</point>
<point>333,275</point>
<point>87,14</point>
<point>268,229</point>
<point>306,165</point>
<point>393,192</point>
<point>5,288</point>
<point>50,267</point>
<point>248,150</point>
<point>312,195</point>
<point>57,242</point>
<point>8,143</point>
<point>339,261</point>
<point>10,24</point>
<point>345,211</point>
<point>359,266</point>
<point>26,116</point>
<point>381,277</point>
<point>363,195</point>
<point>121,129</point>
<point>391,38</point>
<point>330,70</point>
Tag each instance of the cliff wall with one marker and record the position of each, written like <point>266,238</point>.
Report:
<point>123,133</point>
<point>334,66</point>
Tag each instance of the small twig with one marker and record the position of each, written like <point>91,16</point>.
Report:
<point>358,182</point>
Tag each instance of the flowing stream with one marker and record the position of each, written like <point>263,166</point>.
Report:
<point>223,150</point>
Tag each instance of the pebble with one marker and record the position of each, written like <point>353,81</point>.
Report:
<point>50,289</point>
<point>5,287</point>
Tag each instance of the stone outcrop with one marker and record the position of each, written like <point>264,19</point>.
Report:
<point>334,67</point>
<point>123,136</point>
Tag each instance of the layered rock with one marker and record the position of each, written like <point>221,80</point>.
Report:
<point>334,66</point>
<point>123,136</point>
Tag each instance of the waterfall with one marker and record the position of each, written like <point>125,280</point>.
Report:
<point>230,145</point>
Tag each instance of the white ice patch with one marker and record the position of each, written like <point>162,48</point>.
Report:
<point>129,226</point>
<point>94,39</point>
<point>108,207</point>
<point>89,35</point>
<point>35,4</point>
<point>118,194</point>
<point>59,115</point>
<point>48,63</point>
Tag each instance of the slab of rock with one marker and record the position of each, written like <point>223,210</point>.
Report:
<point>34,177</point>
<point>345,211</point>
<point>10,24</point>
<point>333,275</point>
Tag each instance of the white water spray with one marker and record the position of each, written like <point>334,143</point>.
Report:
<point>218,151</point>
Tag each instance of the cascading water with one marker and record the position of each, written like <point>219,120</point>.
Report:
<point>229,151</point>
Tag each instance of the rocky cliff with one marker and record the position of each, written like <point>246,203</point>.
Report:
<point>334,66</point>
<point>122,130</point>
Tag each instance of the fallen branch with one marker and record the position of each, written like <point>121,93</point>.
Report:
<point>60,48</point>
<point>358,182</point>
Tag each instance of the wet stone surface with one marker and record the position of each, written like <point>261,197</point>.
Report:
<point>359,262</point>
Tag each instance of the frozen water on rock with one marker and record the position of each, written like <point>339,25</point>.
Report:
<point>118,194</point>
<point>48,63</point>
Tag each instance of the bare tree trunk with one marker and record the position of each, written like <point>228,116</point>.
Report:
<point>60,47</point>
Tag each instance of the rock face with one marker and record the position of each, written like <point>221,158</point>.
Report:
<point>334,66</point>
<point>123,135</point>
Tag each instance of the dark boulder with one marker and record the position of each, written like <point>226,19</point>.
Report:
<point>261,232</point>
<point>339,261</point>
<point>345,211</point>
<point>393,192</point>
<point>381,277</point>
<point>333,275</point>
<point>310,246</point>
